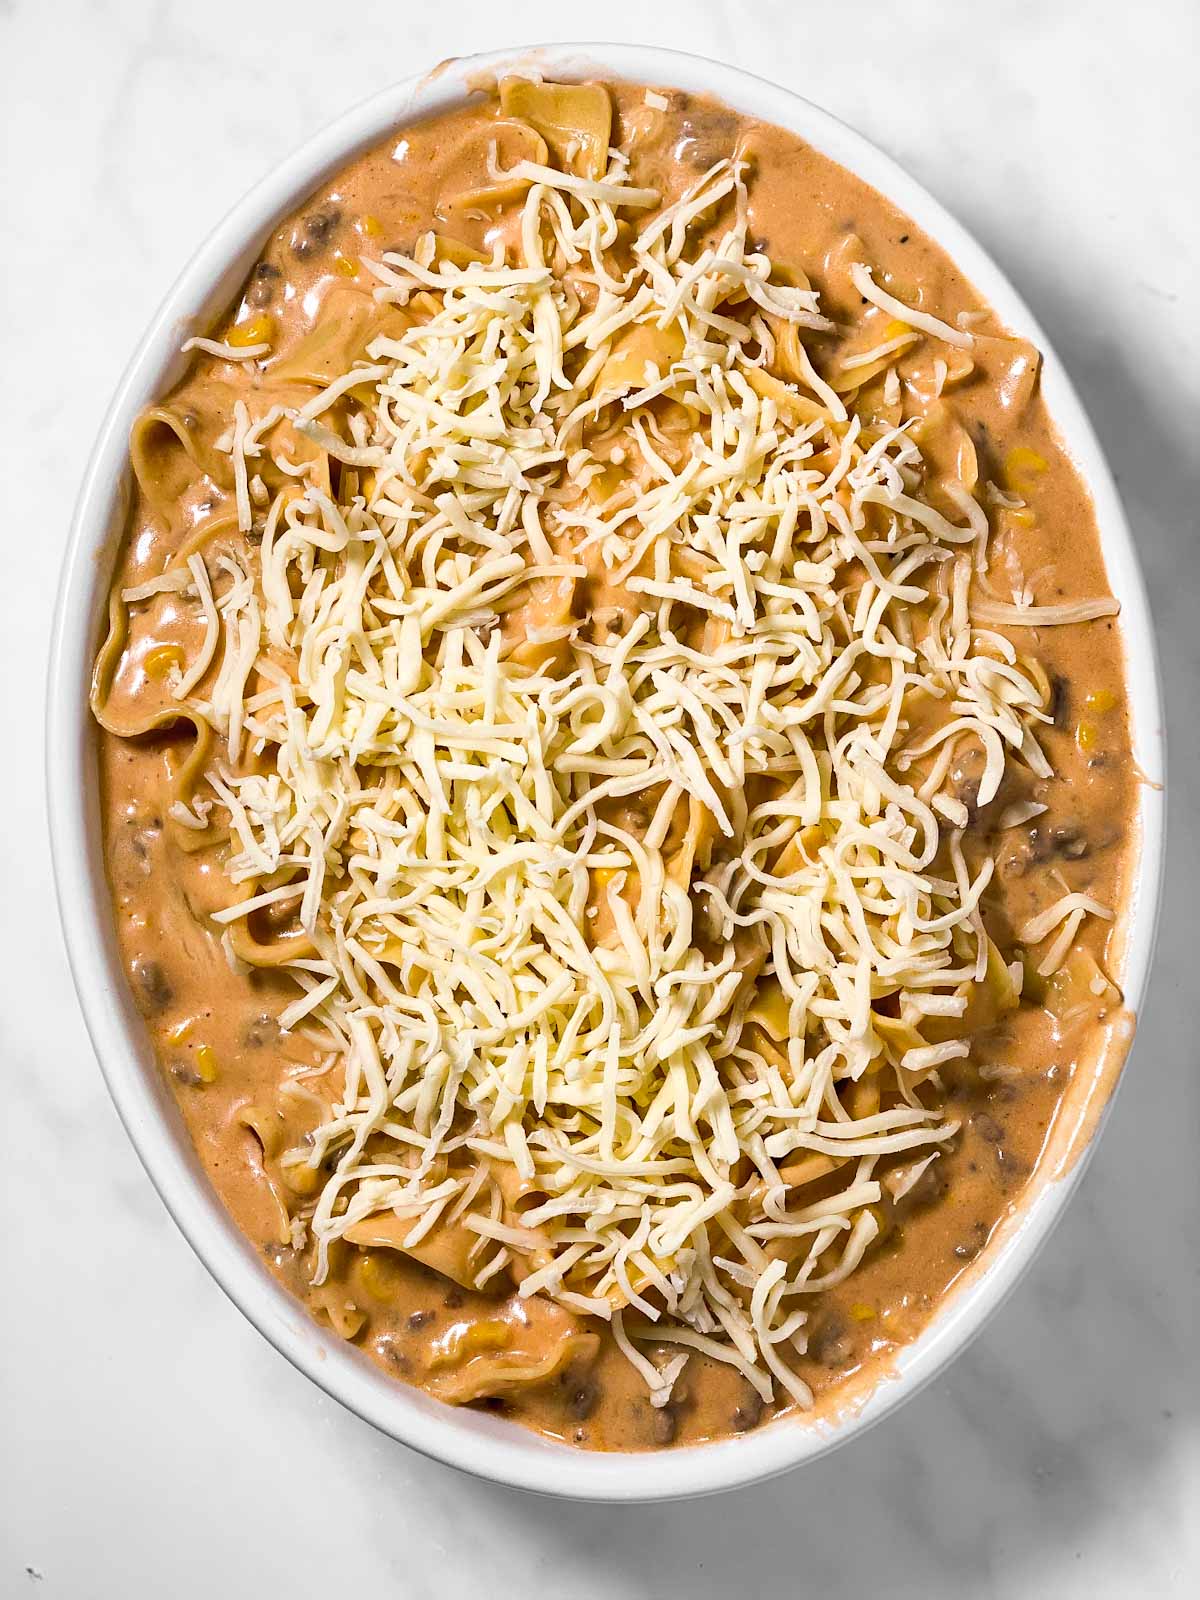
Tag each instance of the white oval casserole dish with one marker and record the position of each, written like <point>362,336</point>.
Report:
<point>479,1442</point>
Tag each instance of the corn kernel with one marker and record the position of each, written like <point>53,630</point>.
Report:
<point>1020,464</point>
<point>206,1063</point>
<point>158,662</point>
<point>1100,701</point>
<point>1086,735</point>
<point>489,1335</point>
<point>378,1275</point>
<point>896,330</point>
<point>301,1178</point>
<point>862,1313</point>
<point>259,330</point>
<point>1022,516</point>
<point>180,1031</point>
<point>469,1339</point>
<point>371,226</point>
<point>344,265</point>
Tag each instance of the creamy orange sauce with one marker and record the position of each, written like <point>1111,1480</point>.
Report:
<point>215,1030</point>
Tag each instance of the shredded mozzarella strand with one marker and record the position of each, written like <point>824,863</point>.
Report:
<point>861,277</point>
<point>1036,929</point>
<point>1045,616</point>
<point>223,351</point>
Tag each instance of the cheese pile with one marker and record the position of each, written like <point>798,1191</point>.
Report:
<point>593,776</point>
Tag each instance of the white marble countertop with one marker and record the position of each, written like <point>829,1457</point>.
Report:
<point>151,1444</point>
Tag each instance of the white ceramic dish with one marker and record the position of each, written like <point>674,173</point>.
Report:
<point>482,1443</point>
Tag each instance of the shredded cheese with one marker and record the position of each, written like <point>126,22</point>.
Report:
<point>545,860</point>
<point>1032,616</point>
<point>863,281</point>
<point>223,351</point>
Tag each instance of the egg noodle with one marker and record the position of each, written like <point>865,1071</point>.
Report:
<point>586,743</point>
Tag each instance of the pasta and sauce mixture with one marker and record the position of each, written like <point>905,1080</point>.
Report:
<point>615,766</point>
